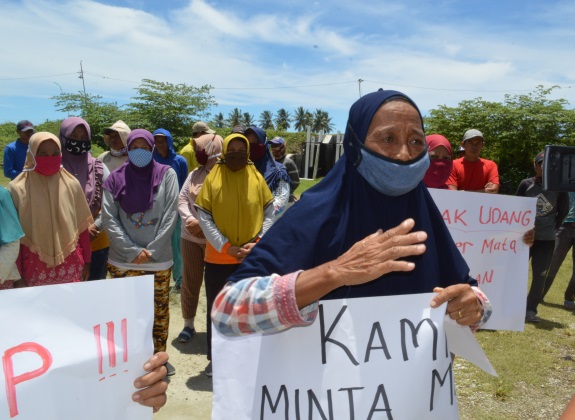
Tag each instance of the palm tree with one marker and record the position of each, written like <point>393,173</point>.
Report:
<point>282,120</point>
<point>248,119</point>
<point>266,120</point>
<point>321,121</point>
<point>219,121</point>
<point>302,118</point>
<point>234,117</point>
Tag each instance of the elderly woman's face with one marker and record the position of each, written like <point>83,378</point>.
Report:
<point>396,132</point>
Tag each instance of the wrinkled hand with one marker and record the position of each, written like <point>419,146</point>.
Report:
<point>143,257</point>
<point>379,254</point>
<point>529,237</point>
<point>94,231</point>
<point>152,387</point>
<point>462,304</point>
<point>86,272</point>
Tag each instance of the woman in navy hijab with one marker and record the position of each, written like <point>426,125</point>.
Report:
<point>370,228</point>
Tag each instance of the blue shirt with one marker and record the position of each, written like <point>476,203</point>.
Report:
<point>14,158</point>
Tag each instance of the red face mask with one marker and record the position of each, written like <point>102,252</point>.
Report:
<point>438,172</point>
<point>202,157</point>
<point>257,151</point>
<point>48,165</point>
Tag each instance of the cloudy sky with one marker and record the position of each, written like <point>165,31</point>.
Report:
<point>264,55</point>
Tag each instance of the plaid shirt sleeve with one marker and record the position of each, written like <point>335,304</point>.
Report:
<point>487,309</point>
<point>260,304</point>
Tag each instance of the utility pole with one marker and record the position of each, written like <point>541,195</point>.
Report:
<point>81,76</point>
<point>359,85</point>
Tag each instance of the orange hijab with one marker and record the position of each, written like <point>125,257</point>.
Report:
<point>52,209</point>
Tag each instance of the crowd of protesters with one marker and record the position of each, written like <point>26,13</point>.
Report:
<point>141,208</point>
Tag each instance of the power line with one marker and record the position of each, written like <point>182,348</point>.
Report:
<point>293,86</point>
<point>459,90</point>
<point>39,77</point>
<point>284,87</point>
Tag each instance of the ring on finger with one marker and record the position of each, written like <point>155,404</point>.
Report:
<point>459,313</point>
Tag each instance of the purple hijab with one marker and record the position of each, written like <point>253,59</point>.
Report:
<point>134,187</point>
<point>87,170</point>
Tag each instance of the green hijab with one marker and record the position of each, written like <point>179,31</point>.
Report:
<point>10,229</point>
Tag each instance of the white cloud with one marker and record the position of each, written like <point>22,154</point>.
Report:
<point>230,46</point>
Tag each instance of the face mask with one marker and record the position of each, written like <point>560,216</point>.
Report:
<point>119,153</point>
<point>236,160</point>
<point>48,165</point>
<point>140,157</point>
<point>438,172</point>
<point>257,151</point>
<point>202,157</point>
<point>392,178</point>
<point>78,147</point>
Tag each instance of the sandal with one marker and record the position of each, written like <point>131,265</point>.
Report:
<point>186,335</point>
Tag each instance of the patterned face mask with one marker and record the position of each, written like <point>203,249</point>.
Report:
<point>140,157</point>
<point>78,147</point>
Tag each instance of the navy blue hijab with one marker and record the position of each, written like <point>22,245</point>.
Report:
<point>343,209</point>
<point>272,171</point>
<point>177,162</point>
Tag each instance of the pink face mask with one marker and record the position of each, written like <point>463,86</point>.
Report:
<point>48,165</point>
<point>438,172</point>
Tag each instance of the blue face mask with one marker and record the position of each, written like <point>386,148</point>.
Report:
<point>392,178</point>
<point>140,157</point>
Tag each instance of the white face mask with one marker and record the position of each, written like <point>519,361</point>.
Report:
<point>119,153</point>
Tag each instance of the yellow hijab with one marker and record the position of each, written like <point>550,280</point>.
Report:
<point>52,209</point>
<point>236,200</point>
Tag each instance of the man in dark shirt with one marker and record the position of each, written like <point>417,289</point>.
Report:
<point>15,152</point>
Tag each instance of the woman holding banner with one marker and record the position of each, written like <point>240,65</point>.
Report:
<point>370,228</point>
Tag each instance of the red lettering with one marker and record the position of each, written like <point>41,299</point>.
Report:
<point>463,246</point>
<point>496,216</point>
<point>12,381</point>
<point>446,217</point>
<point>459,217</point>
<point>487,277</point>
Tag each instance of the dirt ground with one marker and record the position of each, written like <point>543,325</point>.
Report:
<point>190,390</point>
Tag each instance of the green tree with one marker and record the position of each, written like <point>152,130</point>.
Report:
<point>247,119</point>
<point>321,121</point>
<point>282,120</point>
<point>219,121</point>
<point>267,120</point>
<point>98,113</point>
<point>234,117</point>
<point>302,118</point>
<point>515,130</point>
<point>175,107</point>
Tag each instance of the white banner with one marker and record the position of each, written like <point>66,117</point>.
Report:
<point>488,230</point>
<point>378,357</point>
<point>72,351</point>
